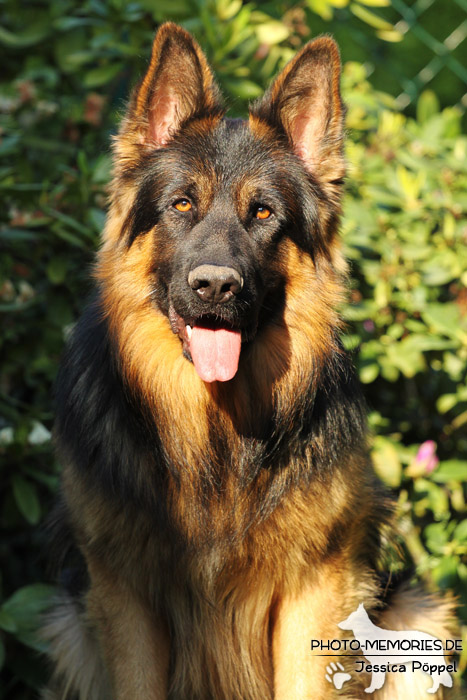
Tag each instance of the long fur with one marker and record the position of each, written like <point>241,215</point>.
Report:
<point>222,525</point>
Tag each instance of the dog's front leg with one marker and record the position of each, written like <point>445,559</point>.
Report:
<point>135,646</point>
<point>313,613</point>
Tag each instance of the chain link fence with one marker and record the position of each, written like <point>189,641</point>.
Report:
<point>408,46</point>
<point>443,50</point>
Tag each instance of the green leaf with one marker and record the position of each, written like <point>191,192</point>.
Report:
<point>369,372</point>
<point>26,607</point>
<point>438,501</point>
<point>410,183</point>
<point>424,343</point>
<point>446,402</point>
<point>64,24</point>
<point>243,89</point>
<point>17,235</point>
<point>7,621</point>
<point>72,50</point>
<point>375,3</point>
<point>162,9</point>
<point>57,270</point>
<point>9,144</point>
<point>436,537</point>
<point>272,32</point>
<point>323,8</point>
<point>32,35</point>
<point>445,573</point>
<point>444,318</point>
<point>390,35</point>
<point>228,10</point>
<point>49,480</point>
<point>102,170</point>
<point>70,238</point>
<point>102,75</point>
<point>71,222</point>
<point>427,106</point>
<point>29,601</point>
<point>351,342</point>
<point>409,360</point>
<point>26,498</point>
<point>97,218</point>
<point>450,470</point>
<point>460,533</point>
<point>370,18</point>
<point>387,462</point>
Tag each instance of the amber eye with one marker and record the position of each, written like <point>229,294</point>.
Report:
<point>262,213</point>
<point>182,205</point>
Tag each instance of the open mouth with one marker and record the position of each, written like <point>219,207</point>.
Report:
<point>211,343</point>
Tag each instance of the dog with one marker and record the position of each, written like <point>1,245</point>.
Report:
<point>368,635</point>
<point>218,504</point>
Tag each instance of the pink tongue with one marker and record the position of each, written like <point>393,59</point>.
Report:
<point>215,353</point>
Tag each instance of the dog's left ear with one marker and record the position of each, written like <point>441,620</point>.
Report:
<point>178,86</point>
<point>305,102</point>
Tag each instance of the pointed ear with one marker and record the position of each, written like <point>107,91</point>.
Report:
<point>178,85</point>
<point>305,102</point>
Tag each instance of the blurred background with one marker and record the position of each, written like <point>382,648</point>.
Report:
<point>67,68</point>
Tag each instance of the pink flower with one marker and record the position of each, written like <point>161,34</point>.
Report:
<point>368,325</point>
<point>426,456</point>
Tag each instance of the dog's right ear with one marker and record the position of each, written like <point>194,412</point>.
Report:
<point>178,86</point>
<point>304,102</point>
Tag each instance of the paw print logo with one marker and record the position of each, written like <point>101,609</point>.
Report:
<point>336,675</point>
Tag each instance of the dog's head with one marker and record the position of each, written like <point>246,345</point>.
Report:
<point>211,217</point>
<point>358,617</point>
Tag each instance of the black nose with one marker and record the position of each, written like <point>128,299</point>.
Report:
<point>214,283</point>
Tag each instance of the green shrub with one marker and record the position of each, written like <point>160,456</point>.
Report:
<point>405,234</point>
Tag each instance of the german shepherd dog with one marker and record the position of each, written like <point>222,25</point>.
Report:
<point>216,481</point>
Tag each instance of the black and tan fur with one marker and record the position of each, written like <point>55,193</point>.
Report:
<point>222,525</point>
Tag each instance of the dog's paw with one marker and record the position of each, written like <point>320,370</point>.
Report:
<point>336,675</point>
